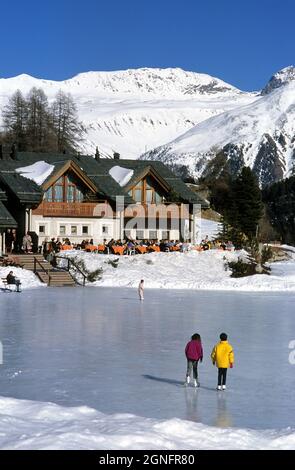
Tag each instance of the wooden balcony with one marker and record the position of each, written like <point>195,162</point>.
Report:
<point>165,210</point>
<point>71,209</point>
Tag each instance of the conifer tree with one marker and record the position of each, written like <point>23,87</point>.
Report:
<point>248,202</point>
<point>280,202</point>
<point>244,208</point>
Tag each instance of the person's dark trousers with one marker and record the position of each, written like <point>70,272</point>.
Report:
<point>192,365</point>
<point>222,376</point>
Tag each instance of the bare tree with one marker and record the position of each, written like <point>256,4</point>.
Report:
<point>15,115</point>
<point>39,123</point>
<point>66,126</point>
<point>35,126</point>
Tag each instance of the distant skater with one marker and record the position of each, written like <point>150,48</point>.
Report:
<point>223,356</point>
<point>194,354</point>
<point>140,289</point>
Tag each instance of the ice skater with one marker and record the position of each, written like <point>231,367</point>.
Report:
<point>194,354</point>
<point>223,356</point>
<point>140,289</point>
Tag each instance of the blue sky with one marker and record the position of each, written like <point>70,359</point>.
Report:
<point>241,42</point>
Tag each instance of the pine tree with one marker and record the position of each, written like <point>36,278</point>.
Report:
<point>246,203</point>
<point>280,202</point>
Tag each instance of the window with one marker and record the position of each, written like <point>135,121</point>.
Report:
<point>48,196</point>
<point>137,195</point>
<point>58,190</point>
<point>146,191</point>
<point>158,198</point>
<point>105,229</point>
<point>70,193</point>
<point>65,189</point>
<point>73,229</point>
<point>139,235</point>
<point>85,229</point>
<point>149,196</point>
<point>62,229</point>
<point>42,229</point>
<point>165,235</point>
<point>153,235</point>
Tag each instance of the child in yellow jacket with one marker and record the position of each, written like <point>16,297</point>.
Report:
<point>223,356</point>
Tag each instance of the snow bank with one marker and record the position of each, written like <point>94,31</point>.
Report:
<point>27,278</point>
<point>121,175</point>
<point>192,270</point>
<point>37,172</point>
<point>34,425</point>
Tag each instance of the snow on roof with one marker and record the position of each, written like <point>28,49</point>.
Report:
<point>37,172</point>
<point>121,175</point>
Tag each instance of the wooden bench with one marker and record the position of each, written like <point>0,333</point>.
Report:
<point>8,287</point>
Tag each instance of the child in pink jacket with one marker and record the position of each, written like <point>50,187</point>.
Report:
<point>194,354</point>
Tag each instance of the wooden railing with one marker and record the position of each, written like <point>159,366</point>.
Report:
<point>67,209</point>
<point>103,209</point>
<point>71,263</point>
<point>46,271</point>
<point>171,210</point>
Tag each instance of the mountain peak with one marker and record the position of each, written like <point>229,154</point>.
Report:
<point>156,82</point>
<point>258,134</point>
<point>280,78</point>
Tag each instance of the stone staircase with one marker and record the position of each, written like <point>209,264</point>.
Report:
<point>44,270</point>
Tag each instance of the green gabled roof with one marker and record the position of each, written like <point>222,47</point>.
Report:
<point>6,219</point>
<point>98,172</point>
<point>87,163</point>
<point>26,190</point>
<point>140,166</point>
<point>104,183</point>
<point>110,188</point>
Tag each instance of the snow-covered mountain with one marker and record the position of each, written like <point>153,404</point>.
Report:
<point>260,134</point>
<point>136,112</point>
<point>133,111</point>
<point>282,77</point>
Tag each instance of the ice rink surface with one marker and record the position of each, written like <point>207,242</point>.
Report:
<point>104,348</point>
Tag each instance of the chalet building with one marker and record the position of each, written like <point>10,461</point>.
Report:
<point>82,197</point>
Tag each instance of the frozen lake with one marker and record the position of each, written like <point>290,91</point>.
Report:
<point>101,347</point>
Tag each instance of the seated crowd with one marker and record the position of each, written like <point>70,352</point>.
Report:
<point>129,246</point>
